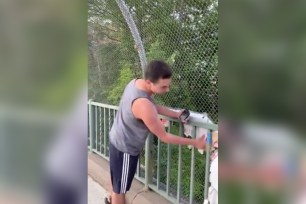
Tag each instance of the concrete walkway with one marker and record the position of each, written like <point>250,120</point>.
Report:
<point>99,184</point>
<point>96,193</point>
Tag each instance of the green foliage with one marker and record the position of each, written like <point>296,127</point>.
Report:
<point>156,52</point>
<point>185,170</point>
<point>126,75</point>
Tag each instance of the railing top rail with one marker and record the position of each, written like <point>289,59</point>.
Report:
<point>194,121</point>
<point>102,105</point>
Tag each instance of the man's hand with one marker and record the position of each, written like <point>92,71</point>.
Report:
<point>183,115</point>
<point>200,142</point>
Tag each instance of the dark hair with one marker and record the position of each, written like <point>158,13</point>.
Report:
<point>156,70</point>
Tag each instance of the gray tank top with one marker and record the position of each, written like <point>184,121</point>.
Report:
<point>128,134</point>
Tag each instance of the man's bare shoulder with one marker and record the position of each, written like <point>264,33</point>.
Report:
<point>142,106</point>
<point>139,102</point>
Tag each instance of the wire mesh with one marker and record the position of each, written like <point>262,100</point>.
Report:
<point>182,33</point>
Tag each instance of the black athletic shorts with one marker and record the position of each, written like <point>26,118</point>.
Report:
<point>122,168</point>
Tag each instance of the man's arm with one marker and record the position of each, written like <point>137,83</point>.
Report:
<point>143,109</point>
<point>167,112</point>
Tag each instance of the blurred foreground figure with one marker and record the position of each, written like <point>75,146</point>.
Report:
<point>66,161</point>
<point>213,177</point>
<point>263,162</point>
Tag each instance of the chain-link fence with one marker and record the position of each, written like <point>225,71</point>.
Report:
<point>182,33</point>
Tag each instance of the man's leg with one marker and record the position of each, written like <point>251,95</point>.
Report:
<point>108,199</point>
<point>118,198</point>
<point>122,168</point>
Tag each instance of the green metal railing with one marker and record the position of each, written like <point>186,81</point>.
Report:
<point>175,172</point>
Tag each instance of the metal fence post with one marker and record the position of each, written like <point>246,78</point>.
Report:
<point>91,126</point>
<point>135,33</point>
<point>148,161</point>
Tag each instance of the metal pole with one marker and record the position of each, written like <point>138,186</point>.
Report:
<point>208,146</point>
<point>136,36</point>
<point>91,126</point>
<point>148,166</point>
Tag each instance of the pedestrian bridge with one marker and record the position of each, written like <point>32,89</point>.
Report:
<point>167,173</point>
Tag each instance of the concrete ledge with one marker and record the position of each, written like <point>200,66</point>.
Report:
<point>98,170</point>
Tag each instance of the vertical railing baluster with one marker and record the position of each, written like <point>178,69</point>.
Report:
<point>158,163</point>
<point>91,130</point>
<point>192,168</point>
<point>137,169</point>
<point>168,162</point>
<point>109,120</point>
<point>100,128</point>
<point>96,128</point>
<point>179,175</point>
<point>104,130</point>
<point>148,162</point>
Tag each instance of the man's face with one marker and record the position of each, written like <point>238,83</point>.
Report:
<point>162,86</point>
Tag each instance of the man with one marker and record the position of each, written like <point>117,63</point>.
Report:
<point>136,117</point>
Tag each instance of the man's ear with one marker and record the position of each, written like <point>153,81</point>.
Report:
<point>148,81</point>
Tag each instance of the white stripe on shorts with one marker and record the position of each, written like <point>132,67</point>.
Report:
<point>125,172</point>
